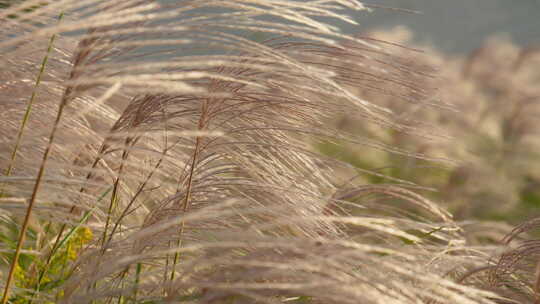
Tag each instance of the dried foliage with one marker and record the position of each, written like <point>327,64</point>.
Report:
<point>513,274</point>
<point>167,158</point>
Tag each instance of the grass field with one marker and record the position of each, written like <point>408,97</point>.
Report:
<point>151,153</point>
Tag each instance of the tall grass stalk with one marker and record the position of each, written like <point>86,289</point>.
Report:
<point>30,103</point>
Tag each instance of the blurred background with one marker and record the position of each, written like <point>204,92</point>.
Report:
<point>458,26</point>
<point>484,57</point>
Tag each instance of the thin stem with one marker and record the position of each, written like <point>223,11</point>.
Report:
<point>31,102</point>
<point>128,143</point>
<point>62,242</point>
<point>137,281</point>
<point>194,161</point>
<point>31,203</point>
<point>72,209</point>
<point>33,198</point>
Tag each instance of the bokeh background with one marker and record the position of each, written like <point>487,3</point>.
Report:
<point>459,26</point>
<point>484,57</point>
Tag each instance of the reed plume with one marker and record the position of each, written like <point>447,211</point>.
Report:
<point>168,157</point>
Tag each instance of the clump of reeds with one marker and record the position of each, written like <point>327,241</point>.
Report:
<point>513,273</point>
<point>486,102</point>
<point>152,153</point>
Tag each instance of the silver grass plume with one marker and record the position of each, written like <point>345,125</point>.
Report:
<point>514,272</point>
<point>185,148</point>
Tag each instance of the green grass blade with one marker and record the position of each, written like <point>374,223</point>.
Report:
<point>66,238</point>
<point>26,116</point>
